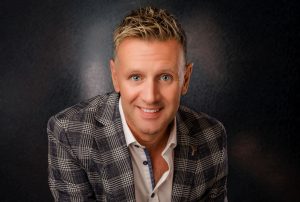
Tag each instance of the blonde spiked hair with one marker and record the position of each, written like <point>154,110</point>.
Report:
<point>150,23</point>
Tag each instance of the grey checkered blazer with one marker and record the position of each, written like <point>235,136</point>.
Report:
<point>89,160</point>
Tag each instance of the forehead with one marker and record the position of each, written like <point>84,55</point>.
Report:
<point>135,49</point>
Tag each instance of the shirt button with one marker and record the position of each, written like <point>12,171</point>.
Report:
<point>152,195</point>
<point>145,162</point>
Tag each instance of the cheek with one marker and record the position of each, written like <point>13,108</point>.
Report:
<point>172,94</point>
<point>128,93</point>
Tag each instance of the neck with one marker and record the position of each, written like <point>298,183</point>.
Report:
<point>154,141</point>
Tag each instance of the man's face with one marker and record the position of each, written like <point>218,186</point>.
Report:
<point>150,76</point>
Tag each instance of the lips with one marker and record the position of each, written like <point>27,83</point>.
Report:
<point>150,113</point>
<point>149,110</point>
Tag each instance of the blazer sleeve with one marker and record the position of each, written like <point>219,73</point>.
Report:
<point>67,179</point>
<point>218,192</point>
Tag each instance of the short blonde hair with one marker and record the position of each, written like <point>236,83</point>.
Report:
<point>150,23</point>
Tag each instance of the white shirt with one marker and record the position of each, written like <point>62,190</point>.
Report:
<point>145,188</point>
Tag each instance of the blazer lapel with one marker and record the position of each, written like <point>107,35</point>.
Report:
<point>118,181</point>
<point>185,162</point>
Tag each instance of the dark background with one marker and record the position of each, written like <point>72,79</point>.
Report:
<point>55,54</point>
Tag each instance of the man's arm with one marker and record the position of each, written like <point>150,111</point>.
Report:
<point>218,192</point>
<point>67,179</point>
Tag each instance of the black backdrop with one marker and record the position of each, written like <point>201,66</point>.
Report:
<point>55,54</point>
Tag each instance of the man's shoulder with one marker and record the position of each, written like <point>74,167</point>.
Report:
<point>199,124</point>
<point>188,115</point>
<point>83,112</point>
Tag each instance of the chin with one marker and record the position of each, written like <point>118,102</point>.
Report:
<point>152,128</point>
<point>150,131</point>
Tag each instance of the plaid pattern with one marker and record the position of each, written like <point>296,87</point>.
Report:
<point>89,160</point>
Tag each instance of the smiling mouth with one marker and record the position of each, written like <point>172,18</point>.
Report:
<point>150,113</point>
<point>150,110</point>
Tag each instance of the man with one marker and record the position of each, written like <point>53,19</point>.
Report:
<point>138,143</point>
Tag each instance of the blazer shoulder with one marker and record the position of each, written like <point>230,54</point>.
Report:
<point>81,113</point>
<point>189,115</point>
<point>200,125</point>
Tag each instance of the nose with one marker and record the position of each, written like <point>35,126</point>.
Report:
<point>150,92</point>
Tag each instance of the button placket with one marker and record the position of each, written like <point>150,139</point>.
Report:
<point>153,197</point>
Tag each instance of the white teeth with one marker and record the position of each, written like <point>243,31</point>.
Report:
<point>150,110</point>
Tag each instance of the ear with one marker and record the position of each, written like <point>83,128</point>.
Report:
<point>187,76</point>
<point>114,76</point>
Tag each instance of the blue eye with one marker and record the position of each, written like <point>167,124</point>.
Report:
<point>166,77</point>
<point>135,77</point>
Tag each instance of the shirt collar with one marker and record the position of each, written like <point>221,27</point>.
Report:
<point>130,139</point>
